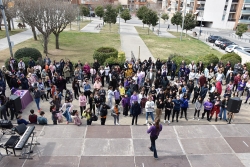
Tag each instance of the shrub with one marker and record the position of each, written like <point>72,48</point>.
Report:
<point>103,53</point>
<point>28,52</point>
<point>210,58</point>
<point>178,59</point>
<point>120,60</point>
<point>248,66</point>
<point>232,57</point>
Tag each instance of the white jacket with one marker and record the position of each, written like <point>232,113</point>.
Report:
<point>192,75</point>
<point>149,106</point>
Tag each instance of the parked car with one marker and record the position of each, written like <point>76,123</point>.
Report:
<point>246,49</point>
<point>213,38</point>
<point>223,45</point>
<point>219,40</point>
<point>230,48</point>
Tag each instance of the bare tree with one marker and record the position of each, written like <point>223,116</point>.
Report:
<point>65,14</point>
<point>10,11</point>
<point>27,11</point>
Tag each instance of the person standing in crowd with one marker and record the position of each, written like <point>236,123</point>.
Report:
<point>75,87</point>
<point>37,96</point>
<point>159,108</point>
<point>184,107</point>
<point>177,107</point>
<point>223,109</point>
<point>104,113</point>
<point>125,104</point>
<point>168,108</point>
<point>208,105</point>
<point>115,112</point>
<point>198,106</point>
<point>87,89</point>
<point>88,115</point>
<point>135,109</point>
<point>149,107</point>
<point>82,103</point>
<point>241,87</point>
<point>154,131</point>
<point>215,109</point>
<point>110,96</point>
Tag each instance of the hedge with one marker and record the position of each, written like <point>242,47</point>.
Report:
<point>233,58</point>
<point>178,59</point>
<point>248,66</point>
<point>120,60</point>
<point>210,58</point>
<point>27,52</point>
<point>103,53</point>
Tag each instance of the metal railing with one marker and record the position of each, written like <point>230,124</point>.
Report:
<point>133,56</point>
<point>231,19</point>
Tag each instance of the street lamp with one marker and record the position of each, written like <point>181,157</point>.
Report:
<point>159,23</point>
<point>6,27</point>
<point>183,19</point>
<point>200,27</point>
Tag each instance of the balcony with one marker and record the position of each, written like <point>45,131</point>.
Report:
<point>245,11</point>
<point>231,19</point>
<point>245,21</point>
<point>235,1</point>
<point>232,10</point>
<point>201,1</point>
<point>141,2</point>
<point>199,8</point>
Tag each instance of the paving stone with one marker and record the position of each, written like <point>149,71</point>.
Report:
<point>163,161</point>
<point>239,144</point>
<point>59,147</point>
<point>63,131</point>
<point>108,132</point>
<point>49,161</point>
<point>163,147</point>
<point>197,131</point>
<point>10,161</point>
<point>215,160</point>
<point>108,147</point>
<point>245,158</point>
<point>140,132</point>
<point>105,161</point>
<point>234,130</point>
<point>205,146</point>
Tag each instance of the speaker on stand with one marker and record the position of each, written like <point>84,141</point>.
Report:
<point>233,106</point>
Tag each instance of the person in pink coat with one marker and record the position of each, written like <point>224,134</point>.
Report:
<point>219,87</point>
<point>86,69</point>
<point>82,102</point>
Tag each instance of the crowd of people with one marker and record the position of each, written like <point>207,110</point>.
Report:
<point>135,88</point>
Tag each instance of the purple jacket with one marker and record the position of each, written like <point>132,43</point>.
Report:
<point>153,131</point>
<point>133,98</point>
<point>208,105</point>
<point>125,101</point>
<point>241,86</point>
<point>126,84</point>
<point>116,94</point>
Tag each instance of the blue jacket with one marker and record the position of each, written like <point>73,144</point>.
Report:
<point>173,67</point>
<point>177,104</point>
<point>184,103</point>
<point>203,91</point>
<point>2,84</point>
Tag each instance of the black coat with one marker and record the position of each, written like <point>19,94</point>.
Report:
<point>136,109</point>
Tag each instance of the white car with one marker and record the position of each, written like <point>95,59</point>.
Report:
<point>246,49</point>
<point>230,48</point>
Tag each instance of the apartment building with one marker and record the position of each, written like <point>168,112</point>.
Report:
<point>222,14</point>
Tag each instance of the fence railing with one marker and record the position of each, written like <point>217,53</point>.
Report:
<point>133,56</point>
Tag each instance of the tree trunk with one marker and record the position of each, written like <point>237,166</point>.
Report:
<point>45,44</point>
<point>109,27</point>
<point>34,32</point>
<point>148,30</point>
<point>125,21</point>
<point>0,23</point>
<point>177,28</point>
<point>9,26</point>
<point>186,34</point>
<point>57,40</point>
<point>143,25</point>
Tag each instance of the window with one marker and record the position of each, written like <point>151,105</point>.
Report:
<point>223,17</point>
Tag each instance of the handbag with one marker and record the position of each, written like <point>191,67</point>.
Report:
<point>113,114</point>
<point>94,118</point>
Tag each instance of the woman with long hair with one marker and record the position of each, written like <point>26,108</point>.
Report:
<point>154,131</point>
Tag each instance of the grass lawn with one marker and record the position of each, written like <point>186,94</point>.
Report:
<point>74,45</point>
<point>75,26</point>
<point>12,32</point>
<point>162,47</point>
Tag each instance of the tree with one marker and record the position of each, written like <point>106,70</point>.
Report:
<point>99,11</point>
<point>65,14</point>
<point>28,13</point>
<point>241,29</point>
<point>189,22</point>
<point>141,12</point>
<point>176,19</point>
<point>119,7</point>
<point>165,17</point>
<point>150,18</point>
<point>125,15</point>
<point>10,11</point>
<point>84,11</point>
<point>110,16</point>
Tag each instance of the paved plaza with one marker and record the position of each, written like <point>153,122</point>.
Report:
<point>127,146</point>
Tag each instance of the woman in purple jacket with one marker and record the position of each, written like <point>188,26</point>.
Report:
<point>241,87</point>
<point>208,105</point>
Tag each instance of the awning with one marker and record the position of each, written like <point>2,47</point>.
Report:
<point>196,12</point>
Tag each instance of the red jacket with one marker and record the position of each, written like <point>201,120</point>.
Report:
<point>219,87</point>
<point>202,80</point>
<point>236,80</point>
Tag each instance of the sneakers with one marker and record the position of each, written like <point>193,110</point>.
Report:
<point>156,158</point>
<point>198,119</point>
<point>164,121</point>
<point>146,121</point>
<point>186,119</point>
<point>194,118</point>
<point>168,122</point>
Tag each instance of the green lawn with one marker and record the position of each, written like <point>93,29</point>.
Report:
<point>162,47</point>
<point>74,45</point>
<point>12,32</point>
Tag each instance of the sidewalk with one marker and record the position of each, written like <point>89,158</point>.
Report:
<point>16,39</point>
<point>91,27</point>
<point>130,41</point>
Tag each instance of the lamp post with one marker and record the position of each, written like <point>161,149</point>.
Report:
<point>200,28</point>
<point>159,23</point>
<point>119,30</point>
<point>6,27</point>
<point>183,19</point>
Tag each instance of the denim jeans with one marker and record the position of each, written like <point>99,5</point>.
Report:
<point>151,114</point>
<point>153,146</point>
<point>37,103</point>
<point>224,112</point>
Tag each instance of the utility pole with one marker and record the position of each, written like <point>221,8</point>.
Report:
<point>183,19</point>
<point>159,23</point>
<point>200,28</point>
<point>6,27</point>
<point>119,30</point>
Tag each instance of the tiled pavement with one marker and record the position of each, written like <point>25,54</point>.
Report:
<point>127,146</point>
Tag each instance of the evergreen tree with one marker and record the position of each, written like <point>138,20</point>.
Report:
<point>125,15</point>
<point>176,19</point>
<point>150,18</point>
<point>165,17</point>
<point>241,29</point>
<point>99,11</point>
<point>110,16</point>
<point>141,12</point>
<point>189,22</point>
<point>84,11</point>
